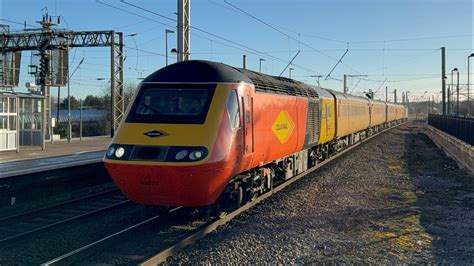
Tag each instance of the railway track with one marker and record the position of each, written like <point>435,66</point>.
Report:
<point>170,235</point>
<point>35,221</point>
<point>86,253</point>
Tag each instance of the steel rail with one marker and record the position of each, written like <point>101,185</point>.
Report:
<point>70,219</point>
<point>85,251</point>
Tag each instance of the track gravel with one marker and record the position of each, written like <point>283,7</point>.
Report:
<point>395,199</point>
<point>38,248</point>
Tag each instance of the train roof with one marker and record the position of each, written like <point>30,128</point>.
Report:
<point>348,96</point>
<point>394,104</point>
<point>206,71</point>
<point>197,71</point>
<point>323,93</point>
<point>372,101</point>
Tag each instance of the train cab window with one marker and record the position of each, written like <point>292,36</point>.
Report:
<point>328,111</point>
<point>171,105</point>
<point>233,110</point>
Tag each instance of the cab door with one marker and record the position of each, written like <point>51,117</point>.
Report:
<point>247,107</point>
<point>328,122</point>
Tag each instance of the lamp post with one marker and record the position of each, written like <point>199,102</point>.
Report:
<point>468,74</point>
<point>166,43</point>
<point>443,95</point>
<point>448,96</point>
<point>175,51</point>
<point>457,94</point>
<point>317,76</point>
<point>450,91</point>
<point>260,65</point>
<point>291,69</point>
<point>136,47</point>
<point>406,100</point>
<point>69,125</point>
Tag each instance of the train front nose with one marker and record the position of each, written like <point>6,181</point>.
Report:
<point>169,150</point>
<point>169,185</point>
<point>162,175</point>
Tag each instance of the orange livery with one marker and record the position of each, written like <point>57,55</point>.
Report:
<point>201,133</point>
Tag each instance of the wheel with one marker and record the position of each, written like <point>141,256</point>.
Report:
<point>238,197</point>
<point>220,209</point>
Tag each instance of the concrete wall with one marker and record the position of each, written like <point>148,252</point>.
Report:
<point>459,150</point>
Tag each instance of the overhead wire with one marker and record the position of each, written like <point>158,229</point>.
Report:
<point>338,62</point>
<point>411,59</point>
<point>17,22</point>
<point>383,41</point>
<point>412,39</point>
<point>146,51</point>
<point>193,27</point>
<point>234,45</point>
<point>266,53</point>
<point>310,36</point>
<point>355,86</point>
<point>285,34</point>
<point>302,34</point>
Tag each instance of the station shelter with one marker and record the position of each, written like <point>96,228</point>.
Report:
<point>21,120</point>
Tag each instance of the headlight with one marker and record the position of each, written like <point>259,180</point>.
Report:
<point>181,155</point>
<point>195,155</point>
<point>119,152</point>
<point>110,151</point>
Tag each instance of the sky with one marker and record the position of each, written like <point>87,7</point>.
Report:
<point>393,43</point>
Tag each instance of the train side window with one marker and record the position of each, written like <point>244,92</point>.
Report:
<point>233,110</point>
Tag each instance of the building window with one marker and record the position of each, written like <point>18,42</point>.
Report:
<point>12,105</point>
<point>3,122</point>
<point>12,122</point>
<point>3,105</point>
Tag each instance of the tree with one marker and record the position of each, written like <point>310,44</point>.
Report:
<point>129,90</point>
<point>94,101</point>
<point>74,103</point>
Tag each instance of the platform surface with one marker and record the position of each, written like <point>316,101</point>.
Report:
<point>57,155</point>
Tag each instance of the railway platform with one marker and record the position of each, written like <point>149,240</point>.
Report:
<point>57,155</point>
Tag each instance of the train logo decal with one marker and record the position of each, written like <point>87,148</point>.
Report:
<point>155,134</point>
<point>283,126</point>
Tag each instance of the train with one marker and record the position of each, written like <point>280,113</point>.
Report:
<point>202,133</point>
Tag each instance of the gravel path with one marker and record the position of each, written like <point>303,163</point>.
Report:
<point>395,199</point>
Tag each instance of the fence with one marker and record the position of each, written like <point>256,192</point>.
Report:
<point>89,122</point>
<point>459,127</point>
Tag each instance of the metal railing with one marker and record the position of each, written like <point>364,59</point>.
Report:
<point>459,127</point>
